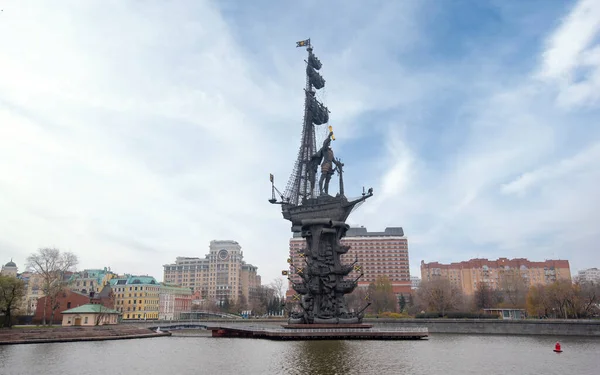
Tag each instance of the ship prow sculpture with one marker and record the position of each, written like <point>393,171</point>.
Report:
<point>319,217</point>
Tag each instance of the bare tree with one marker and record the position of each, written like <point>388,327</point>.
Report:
<point>12,292</point>
<point>439,296</point>
<point>278,285</point>
<point>564,299</point>
<point>102,313</point>
<point>588,298</point>
<point>52,266</point>
<point>514,288</point>
<point>358,299</point>
<point>485,296</point>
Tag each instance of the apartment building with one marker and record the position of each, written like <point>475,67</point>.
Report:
<point>468,274</point>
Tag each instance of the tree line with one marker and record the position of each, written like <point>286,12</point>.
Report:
<point>53,268</point>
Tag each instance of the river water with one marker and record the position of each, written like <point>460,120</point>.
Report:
<point>440,354</point>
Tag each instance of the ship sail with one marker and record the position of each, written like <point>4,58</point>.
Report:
<point>314,77</point>
<point>319,114</point>
<point>301,185</point>
<point>314,61</point>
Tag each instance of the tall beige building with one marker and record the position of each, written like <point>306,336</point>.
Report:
<point>221,275</point>
<point>468,274</point>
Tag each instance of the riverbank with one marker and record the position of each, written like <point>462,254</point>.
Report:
<point>546,327</point>
<point>25,335</point>
<point>590,328</point>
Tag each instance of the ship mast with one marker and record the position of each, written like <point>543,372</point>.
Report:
<point>315,113</point>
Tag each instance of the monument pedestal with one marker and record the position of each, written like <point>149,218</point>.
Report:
<point>326,326</point>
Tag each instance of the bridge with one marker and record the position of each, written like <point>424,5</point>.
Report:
<point>196,315</point>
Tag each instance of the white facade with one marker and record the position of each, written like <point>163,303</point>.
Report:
<point>589,275</point>
<point>415,282</point>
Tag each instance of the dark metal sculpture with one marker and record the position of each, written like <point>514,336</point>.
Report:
<point>319,217</point>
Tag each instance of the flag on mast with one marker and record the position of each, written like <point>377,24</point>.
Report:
<point>271,177</point>
<point>303,43</point>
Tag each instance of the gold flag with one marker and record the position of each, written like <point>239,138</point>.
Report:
<point>303,43</point>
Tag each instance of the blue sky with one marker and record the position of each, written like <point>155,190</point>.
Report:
<point>134,132</point>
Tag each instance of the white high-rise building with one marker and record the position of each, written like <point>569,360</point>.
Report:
<point>589,275</point>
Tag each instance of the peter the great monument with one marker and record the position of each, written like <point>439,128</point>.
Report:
<point>319,216</point>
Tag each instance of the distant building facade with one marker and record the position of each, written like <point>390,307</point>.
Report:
<point>9,269</point>
<point>378,253</point>
<point>415,282</point>
<point>90,280</point>
<point>221,275</point>
<point>591,275</point>
<point>468,274</point>
<point>136,297</point>
<point>174,300</point>
<point>33,291</point>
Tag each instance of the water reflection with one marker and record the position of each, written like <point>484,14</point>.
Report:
<point>320,357</point>
<point>441,354</point>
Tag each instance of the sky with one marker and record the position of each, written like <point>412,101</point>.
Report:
<point>133,132</point>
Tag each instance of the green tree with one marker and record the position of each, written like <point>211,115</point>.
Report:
<point>382,296</point>
<point>12,292</point>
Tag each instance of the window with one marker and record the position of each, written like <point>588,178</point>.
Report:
<point>85,320</point>
<point>68,305</point>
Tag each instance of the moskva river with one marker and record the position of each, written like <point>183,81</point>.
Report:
<point>440,354</point>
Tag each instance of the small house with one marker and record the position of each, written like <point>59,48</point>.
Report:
<point>90,315</point>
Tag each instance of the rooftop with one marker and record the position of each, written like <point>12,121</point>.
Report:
<point>90,309</point>
<point>363,232</point>
<point>130,280</point>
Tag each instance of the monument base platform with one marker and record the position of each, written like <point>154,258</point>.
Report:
<point>326,326</point>
<point>337,333</point>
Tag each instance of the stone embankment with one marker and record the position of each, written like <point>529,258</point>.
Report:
<point>558,327</point>
<point>32,335</point>
<point>499,327</point>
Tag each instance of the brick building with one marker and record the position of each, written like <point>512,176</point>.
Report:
<point>68,300</point>
<point>379,253</point>
<point>468,274</point>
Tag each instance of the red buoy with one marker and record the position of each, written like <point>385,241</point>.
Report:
<point>557,348</point>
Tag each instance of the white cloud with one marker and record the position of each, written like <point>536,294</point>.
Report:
<point>572,56</point>
<point>584,161</point>
<point>133,135</point>
<point>520,181</point>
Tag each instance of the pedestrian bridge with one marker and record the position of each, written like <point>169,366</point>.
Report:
<point>175,326</point>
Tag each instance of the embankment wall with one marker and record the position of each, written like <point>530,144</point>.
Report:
<point>464,326</point>
<point>499,327</point>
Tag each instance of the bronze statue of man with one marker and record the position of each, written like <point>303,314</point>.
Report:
<point>315,160</point>
<point>327,169</point>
